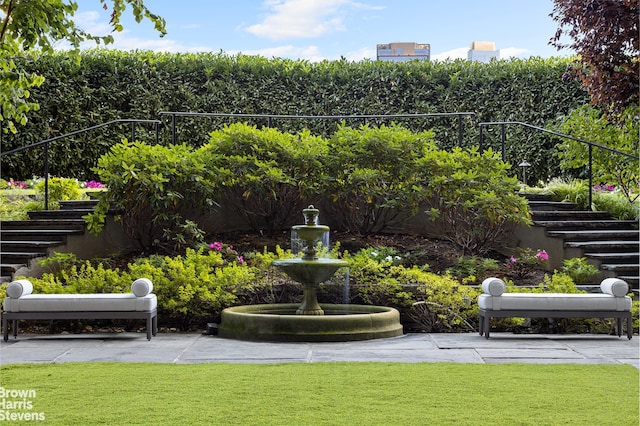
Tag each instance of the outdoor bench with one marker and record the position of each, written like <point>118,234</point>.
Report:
<point>613,302</point>
<point>20,304</point>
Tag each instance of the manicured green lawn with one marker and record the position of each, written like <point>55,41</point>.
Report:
<point>327,394</point>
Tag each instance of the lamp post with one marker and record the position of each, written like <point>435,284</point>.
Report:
<point>524,166</point>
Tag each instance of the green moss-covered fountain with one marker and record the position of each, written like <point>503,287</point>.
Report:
<point>310,321</point>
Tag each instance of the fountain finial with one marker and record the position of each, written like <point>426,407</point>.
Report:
<point>310,215</point>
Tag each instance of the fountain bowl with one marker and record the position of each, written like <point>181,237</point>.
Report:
<point>279,323</point>
<point>310,272</point>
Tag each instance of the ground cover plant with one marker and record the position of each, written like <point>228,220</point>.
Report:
<point>329,393</point>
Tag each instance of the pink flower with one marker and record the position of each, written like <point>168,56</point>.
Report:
<point>542,255</point>
<point>512,259</point>
<point>217,246</point>
<point>240,259</point>
<point>18,184</point>
<point>93,184</point>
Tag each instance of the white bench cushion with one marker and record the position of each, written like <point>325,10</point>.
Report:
<point>554,302</point>
<point>115,302</point>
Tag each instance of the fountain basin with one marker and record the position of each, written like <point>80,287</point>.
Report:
<point>279,322</point>
<point>310,233</point>
<point>310,272</point>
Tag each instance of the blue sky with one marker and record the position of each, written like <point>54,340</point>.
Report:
<point>316,30</point>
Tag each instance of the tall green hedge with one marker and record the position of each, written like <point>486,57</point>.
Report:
<point>112,84</point>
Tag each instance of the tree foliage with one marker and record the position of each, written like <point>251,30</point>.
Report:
<point>36,26</point>
<point>589,123</point>
<point>605,35</point>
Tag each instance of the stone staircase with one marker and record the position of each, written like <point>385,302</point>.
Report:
<point>24,242</point>
<point>611,245</point>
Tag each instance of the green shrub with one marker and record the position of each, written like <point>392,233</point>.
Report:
<point>16,206</point>
<point>271,175</point>
<point>472,200</point>
<point>60,189</point>
<point>371,176</point>
<point>160,194</point>
<point>473,269</point>
<point>443,304</point>
<point>56,263</point>
<point>559,282</point>
<point>610,200</point>
<point>194,288</point>
<point>580,271</point>
<point>616,204</point>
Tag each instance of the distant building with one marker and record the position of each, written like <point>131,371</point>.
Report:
<point>483,51</point>
<point>403,52</point>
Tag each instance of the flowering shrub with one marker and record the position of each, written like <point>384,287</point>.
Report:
<point>384,255</point>
<point>229,255</point>
<point>92,184</point>
<point>604,188</point>
<point>525,261</point>
<point>17,184</point>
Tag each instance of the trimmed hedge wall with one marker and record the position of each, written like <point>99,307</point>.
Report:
<point>108,84</point>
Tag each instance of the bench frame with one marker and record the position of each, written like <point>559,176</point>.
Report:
<point>487,314</point>
<point>150,316</point>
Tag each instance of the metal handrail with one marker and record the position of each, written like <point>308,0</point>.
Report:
<point>46,142</point>
<point>270,117</point>
<point>591,145</point>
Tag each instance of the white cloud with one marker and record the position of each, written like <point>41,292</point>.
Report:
<point>462,53</point>
<point>359,55</point>
<point>309,53</point>
<point>514,52</point>
<point>122,42</point>
<point>293,19</point>
<point>458,53</point>
<point>90,22</point>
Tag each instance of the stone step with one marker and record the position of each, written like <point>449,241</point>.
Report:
<point>619,258</point>
<point>77,204</point>
<point>8,269</point>
<point>633,281</point>
<point>19,245</point>
<point>37,234</point>
<point>630,269</point>
<point>548,205</point>
<point>587,224</point>
<point>605,246</point>
<point>21,256</point>
<point>44,224</point>
<point>539,215</point>
<point>535,196</point>
<point>59,214</point>
<point>590,235</point>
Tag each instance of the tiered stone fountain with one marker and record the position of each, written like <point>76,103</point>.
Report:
<point>310,321</point>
